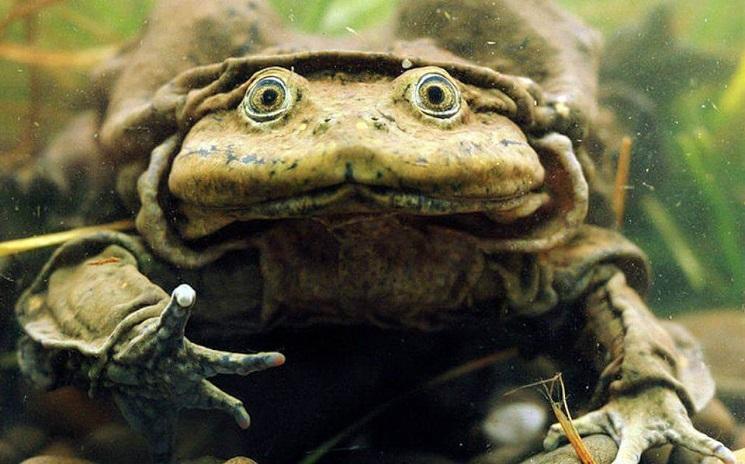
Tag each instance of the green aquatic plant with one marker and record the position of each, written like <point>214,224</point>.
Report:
<point>334,16</point>
<point>712,149</point>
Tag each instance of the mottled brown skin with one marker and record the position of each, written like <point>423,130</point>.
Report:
<point>356,204</point>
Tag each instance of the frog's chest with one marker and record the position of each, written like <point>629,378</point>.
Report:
<point>369,273</point>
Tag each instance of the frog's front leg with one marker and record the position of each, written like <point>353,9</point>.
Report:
<point>644,379</point>
<point>159,372</point>
<point>124,334</point>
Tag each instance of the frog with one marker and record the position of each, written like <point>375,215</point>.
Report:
<point>424,179</point>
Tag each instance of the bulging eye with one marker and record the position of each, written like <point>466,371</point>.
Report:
<point>436,95</point>
<point>267,99</point>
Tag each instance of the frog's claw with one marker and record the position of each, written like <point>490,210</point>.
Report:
<point>170,328</point>
<point>638,423</point>
<point>160,371</point>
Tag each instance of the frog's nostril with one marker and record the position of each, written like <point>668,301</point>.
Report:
<point>378,123</point>
<point>323,125</point>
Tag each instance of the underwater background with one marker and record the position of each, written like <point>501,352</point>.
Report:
<point>674,73</point>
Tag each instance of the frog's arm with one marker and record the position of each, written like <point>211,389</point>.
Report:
<point>649,381</point>
<point>92,316</point>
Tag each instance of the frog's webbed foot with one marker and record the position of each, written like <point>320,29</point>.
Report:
<point>159,371</point>
<point>653,417</point>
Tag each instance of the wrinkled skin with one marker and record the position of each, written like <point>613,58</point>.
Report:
<point>352,194</point>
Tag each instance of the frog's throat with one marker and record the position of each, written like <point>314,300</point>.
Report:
<point>561,218</point>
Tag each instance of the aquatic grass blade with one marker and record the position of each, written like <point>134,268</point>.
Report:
<point>733,98</point>
<point>679,246</point>
<point>13,247</point>
<point>722,215</point>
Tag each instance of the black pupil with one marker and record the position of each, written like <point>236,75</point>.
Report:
<point>435,94</point>
<point>269,97</point>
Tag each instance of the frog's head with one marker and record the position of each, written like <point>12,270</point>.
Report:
<point>334,135</point>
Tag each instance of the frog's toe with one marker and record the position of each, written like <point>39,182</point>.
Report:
<point>701,443</point>
<point>170,328</point>
<point>534,89</point>
<point>595,422</point>
<point>213,362</point>
<point>208,396</point>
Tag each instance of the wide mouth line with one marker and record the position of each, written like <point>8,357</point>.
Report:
<point>355,197</point>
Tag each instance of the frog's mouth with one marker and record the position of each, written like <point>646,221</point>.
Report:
<point>526,221</point>
<point>350,199</point>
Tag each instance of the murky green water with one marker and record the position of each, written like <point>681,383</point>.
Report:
<point>670,79</point>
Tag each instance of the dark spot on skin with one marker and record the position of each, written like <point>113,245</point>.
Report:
<point>348,172</point>
<point>292,166</point>
<point>252,159</point>
<point>246,48</point>
<point>203,152</point>
<point>217,118</point>
<point>322,127</point>
<point>379,175</point>
<point>379,125</point>
<point>254,30</point>
<point>467,147</point>
<point>230,153</point>
<point>422,160</point>
<point>272,173</point>
<point>390,119</point>
<point>507,142</point>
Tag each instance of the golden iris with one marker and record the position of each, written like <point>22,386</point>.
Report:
<point>267,99</point>
<point>436,95</point>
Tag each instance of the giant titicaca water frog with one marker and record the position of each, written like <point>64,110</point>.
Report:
<point>286,182</point>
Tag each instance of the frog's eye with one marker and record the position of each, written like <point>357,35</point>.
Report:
<point>267,99</point>
<point>436,95</point>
